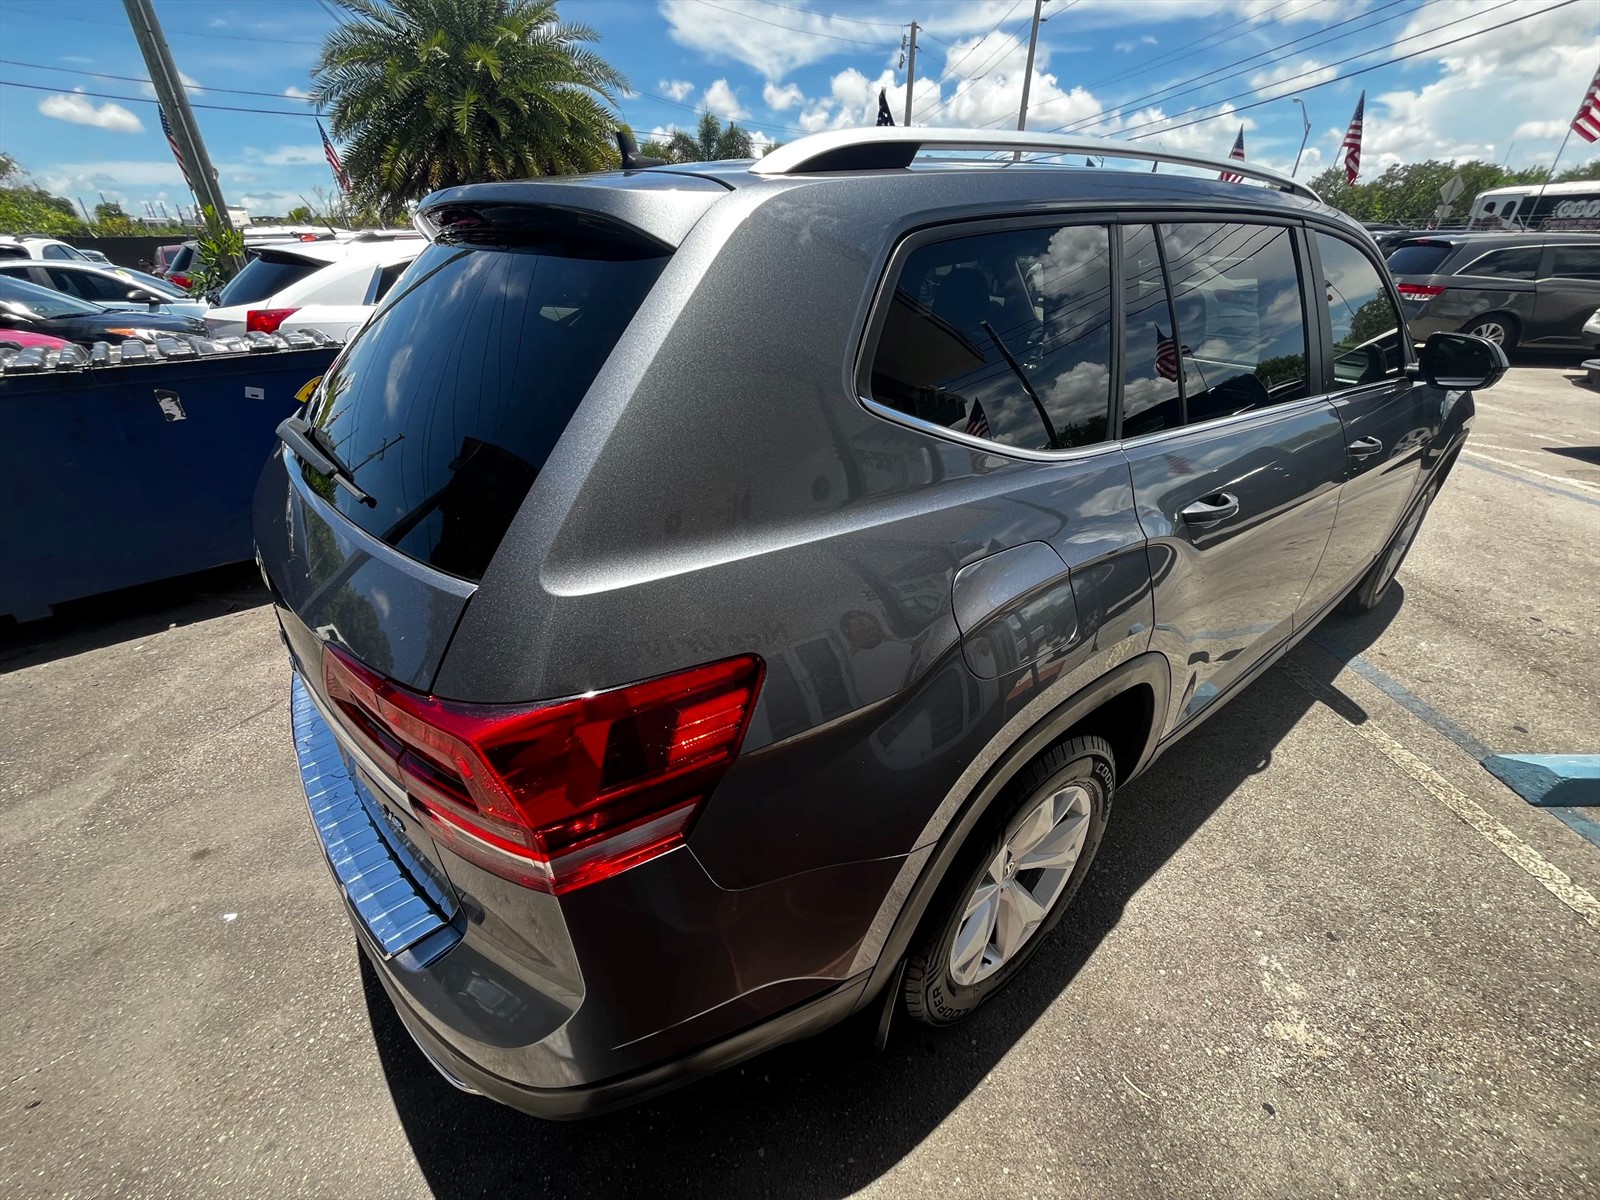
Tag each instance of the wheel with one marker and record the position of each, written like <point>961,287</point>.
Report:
<point>1499,328</point>
<point>1369,593</point>
<point>1017,876</point>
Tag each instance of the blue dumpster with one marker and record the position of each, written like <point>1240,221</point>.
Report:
<point>125,472</point>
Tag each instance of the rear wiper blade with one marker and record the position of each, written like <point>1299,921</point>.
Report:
<point>307,441</point>
<point>1052,442</point>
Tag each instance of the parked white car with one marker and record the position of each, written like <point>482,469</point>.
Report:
<point>114,287</point>
<point>332,286</point>
<point>40,248</point>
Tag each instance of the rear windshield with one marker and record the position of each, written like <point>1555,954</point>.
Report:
<point>1418,258</point>
<point>266,275</point>
<point>450,400</point>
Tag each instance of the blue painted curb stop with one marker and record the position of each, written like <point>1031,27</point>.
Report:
<point>1550,780</point>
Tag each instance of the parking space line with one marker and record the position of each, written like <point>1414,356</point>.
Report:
<point>1523,479</point>
<point>1565,480</point>
<point>1547,874</point>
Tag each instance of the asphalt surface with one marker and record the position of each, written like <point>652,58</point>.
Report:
<point>1323,952</point>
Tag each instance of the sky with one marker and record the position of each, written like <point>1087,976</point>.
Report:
<point>1178,74</point>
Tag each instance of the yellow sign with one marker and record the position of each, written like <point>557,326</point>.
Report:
<point>304,393</point>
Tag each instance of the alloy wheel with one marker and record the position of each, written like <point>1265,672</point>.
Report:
<point>1492,331</point>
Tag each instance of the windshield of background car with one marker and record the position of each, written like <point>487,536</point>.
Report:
<point>1418,258</point>
<point>265,276</point>
<point>450,400</point>
<point>42,302</point>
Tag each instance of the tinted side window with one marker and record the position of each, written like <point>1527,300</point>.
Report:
<point>961,307</point>
<point>54,251</point>
<point>1418,258</point>
<point>1236,292</point>
<point>85,284</point>
<point>1519,262</point>
<point>1366,327</point>
<point>1575,262</point>
<point>386,280</point>
<point>1150,397</point>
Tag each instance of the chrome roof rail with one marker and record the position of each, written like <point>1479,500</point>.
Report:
<point>878,149</point>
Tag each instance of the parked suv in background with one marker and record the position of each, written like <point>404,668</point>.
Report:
<point>1516,289</point>
<point>723,597</point>
<point>40,248</point>
<point>328,285</point>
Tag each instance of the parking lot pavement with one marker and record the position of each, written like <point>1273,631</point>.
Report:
<point>1323,953</point>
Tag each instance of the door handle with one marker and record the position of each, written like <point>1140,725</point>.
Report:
<point>1208,510</point>
<point>1365,447</point>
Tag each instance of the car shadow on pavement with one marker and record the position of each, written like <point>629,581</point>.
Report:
<point>826,1117</point>
<point>81,625</point>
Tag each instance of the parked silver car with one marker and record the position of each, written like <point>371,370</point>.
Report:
<point>113,287</point>
<point>1516,289</point>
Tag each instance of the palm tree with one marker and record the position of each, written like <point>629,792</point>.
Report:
<point>710,142</point>
<point>427,94</point>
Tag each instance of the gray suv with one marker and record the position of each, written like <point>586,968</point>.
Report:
<point>725,597</point>
<point>1516,289</point>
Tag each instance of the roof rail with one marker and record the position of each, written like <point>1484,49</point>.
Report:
<point>879,149</point>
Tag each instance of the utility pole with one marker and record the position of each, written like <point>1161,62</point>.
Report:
<point>911,72</point>
<point>1027,75</point>
<point>174,102</point>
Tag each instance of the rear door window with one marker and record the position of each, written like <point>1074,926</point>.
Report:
<point>1151,398</point>
<point>1418,258</point>
<point>450,400</point>
<point>88,285</point>
<point>1004,336</point>
<point>265,276</point>
<point>1367,343</point>
<point>1518,262</point>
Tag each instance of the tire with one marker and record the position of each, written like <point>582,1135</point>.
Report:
<point>1077,778</point>
<point>1500,328</point>
<point>1374,585</point>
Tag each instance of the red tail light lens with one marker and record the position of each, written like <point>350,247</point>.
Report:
<point>266,320</point>
<point>179,280</point>
<point>1419,291</point>
<point>563,794</point>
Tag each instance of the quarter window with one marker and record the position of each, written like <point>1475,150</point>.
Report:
<point>1004,336</point>
<point>1575,262</point>
<point>1520,262</point>
<point>1151,399</point>
<point>1367,346</point>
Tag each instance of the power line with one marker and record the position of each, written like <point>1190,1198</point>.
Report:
<point>194,87</point>
<point>270,112</point>
<point>749,16</point>
<point>1217,75</point>
<point>938,101</point>
<point>193,33</point>
<point>811,12</point>
<point>1151,64</point>
<point>1337,78</point>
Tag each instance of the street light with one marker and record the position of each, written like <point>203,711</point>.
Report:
<point>1306,117</point>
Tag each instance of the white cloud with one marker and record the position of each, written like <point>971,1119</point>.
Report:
<point>1287,78</point>
<point>77,59</point>
<point>1540,129</point>
<point>675,89</point>
<point>80,110</point>
<point>1133,44</point>
<point>110,175</point>
<point>724,101</point>
<point>295,93</point>
<point>289,156</point>
<point>782,98</point>
<point>773,45</point>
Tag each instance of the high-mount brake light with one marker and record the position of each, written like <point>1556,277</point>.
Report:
<point>558,795</point>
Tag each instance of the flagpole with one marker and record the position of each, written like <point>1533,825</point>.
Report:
<point>1551,172</point>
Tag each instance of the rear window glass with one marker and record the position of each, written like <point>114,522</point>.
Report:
<point>265,276</point>
<point>1418,258</point>
<point>449,402</point>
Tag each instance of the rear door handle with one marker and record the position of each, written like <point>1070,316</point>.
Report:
<point>1208,510</point>
<point>1365,447</point>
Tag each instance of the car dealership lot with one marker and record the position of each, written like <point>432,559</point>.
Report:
<point>1323,952</point>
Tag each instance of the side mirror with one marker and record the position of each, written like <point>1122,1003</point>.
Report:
<point>140,296</point>
<point>1459,362</point>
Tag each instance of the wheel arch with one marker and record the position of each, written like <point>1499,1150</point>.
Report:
<point>1138,687</point>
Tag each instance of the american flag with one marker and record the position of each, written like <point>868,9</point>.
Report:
<point>1229,176</point>
<point>978,422</point>
<point>1587,123</point>
<point>1352,142</point>
<point>172,144</point>
<point>339,176</point>
<point>1167,352</point>
<point>885,117</point>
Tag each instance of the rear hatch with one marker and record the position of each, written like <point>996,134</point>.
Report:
<point>1414,264</point>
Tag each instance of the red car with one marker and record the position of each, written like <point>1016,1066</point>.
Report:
<point>22,339</point>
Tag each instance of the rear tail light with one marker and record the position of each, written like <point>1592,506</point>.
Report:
<point>179,279</point>
<point>1419,291</point>
<point>266,320</point>
<point>563,794</point>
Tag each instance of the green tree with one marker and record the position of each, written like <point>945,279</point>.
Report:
<point>1408,193</point>
<point>299,215</point>
<point>427,94</point>
<point>711,142</point>
<point>25,207</point>
<point>1580,174</point>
